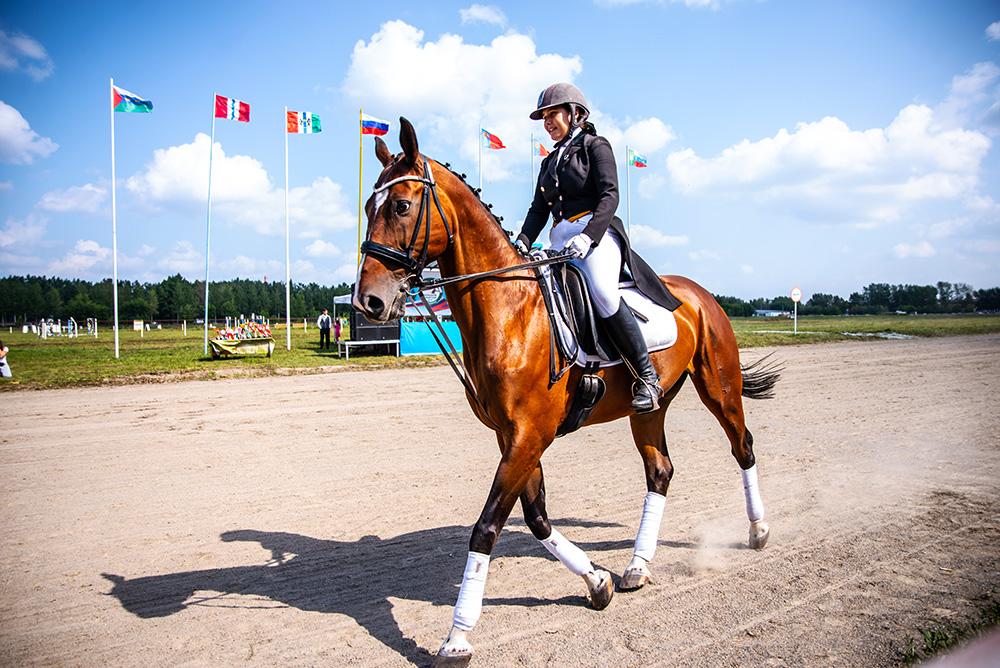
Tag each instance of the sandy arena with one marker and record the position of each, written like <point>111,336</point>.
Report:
<point>324,520</point>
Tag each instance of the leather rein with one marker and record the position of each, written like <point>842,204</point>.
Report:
<point>415,265</point>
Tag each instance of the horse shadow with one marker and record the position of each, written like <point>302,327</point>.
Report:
<point>354,578</point>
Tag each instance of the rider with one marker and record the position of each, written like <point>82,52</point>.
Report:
<point>578,185</point>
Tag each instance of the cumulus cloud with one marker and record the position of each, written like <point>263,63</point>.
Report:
<point>182,259</point>
<point>993,31</point>
<point>242,191</point>
<point>19,144</point>
<point>826,168</point>
<point>85,255</point>
<point>973,100</point>
<point>20,233</point>
<point>920,249</point>
<point>87,198</point>
<point>320,248</point>
<point>20,53</point>
<point>245,266</point>
<point>483,14</point>
<point>451,86</point>
<point>649,237</point>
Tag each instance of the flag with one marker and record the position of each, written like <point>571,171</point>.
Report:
<point>539,149</point>
<point>303,122</point>
<point>233,109</point>
<point>636,160</point>
<point>373,126</point>
<point>492,141</point>
<point>126,101</point>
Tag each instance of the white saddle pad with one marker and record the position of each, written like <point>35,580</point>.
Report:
<point>658,325</point>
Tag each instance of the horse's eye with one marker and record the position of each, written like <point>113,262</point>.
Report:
<point>402,206</point>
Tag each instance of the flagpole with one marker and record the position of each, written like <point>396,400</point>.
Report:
<point>208,220</point>
<point>531,176</point>
<point>479,139</point>
<point>628,190</point>
<point>361,158</point>
<point>288,266</point>
<point>114,221</point>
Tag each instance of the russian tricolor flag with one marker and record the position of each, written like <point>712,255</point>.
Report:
<point>234,110</point>
<point>373,126</point>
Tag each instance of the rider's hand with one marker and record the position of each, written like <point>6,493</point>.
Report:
<point>521,247</point>
<point>578,246</point>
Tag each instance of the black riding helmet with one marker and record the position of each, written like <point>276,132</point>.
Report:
<point>563,94</point>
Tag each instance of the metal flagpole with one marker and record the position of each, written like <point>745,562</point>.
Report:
<point>361,158</point>
<point>479,136</point>
<point>531,176</point>
<point>288,267</point>
<point>114,221</point>
<point>628,190</point>
<point>208,220</point>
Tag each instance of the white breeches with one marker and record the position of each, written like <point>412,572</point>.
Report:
<point>602,265</point>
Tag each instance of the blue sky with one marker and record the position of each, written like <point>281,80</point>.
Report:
<point>820,144</point>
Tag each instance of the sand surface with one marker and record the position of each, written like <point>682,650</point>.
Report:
<point>323,520</point>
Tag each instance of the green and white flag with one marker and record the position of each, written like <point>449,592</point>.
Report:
<point>302,122</point>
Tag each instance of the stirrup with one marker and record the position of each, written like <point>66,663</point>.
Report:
<point>655,392</point>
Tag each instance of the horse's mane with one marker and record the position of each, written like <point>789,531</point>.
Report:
<point>475,191</point>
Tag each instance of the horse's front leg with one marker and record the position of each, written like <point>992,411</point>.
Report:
<point>518,467</point>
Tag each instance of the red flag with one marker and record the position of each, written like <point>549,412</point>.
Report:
<point>493,141</point>
<point>233,109</point>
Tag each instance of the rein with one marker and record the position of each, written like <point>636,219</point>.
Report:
<point>415,266</point>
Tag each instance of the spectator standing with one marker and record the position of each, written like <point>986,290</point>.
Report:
<point>336,329</point>
<point>324,322</point>
<point>4,366</point>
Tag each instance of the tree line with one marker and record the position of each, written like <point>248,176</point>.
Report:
<point>878,298</point>
<point>30,298</point>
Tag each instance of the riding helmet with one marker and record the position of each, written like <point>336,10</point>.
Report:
<point>559,94</point>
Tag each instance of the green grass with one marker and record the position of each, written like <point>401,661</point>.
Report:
<point>167,355</point>
<point>940,639</point>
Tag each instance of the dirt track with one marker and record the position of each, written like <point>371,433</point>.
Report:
<point>324,520</point>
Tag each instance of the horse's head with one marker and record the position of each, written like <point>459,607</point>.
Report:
<point>407,229</point>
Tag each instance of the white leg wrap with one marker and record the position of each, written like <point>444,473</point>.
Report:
<point>470,597</point>
<point>649,525</point>
<point>572,557</point>
<point>755,507</point>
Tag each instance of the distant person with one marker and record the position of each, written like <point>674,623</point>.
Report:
<point>324,322</point>
<point>4,366</point>
<point>336,329</point>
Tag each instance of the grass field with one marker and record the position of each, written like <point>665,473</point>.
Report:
<point>168,355</point>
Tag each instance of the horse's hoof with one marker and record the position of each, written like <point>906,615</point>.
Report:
<point>600,595</point>
<point>449,661</point>
<point>759,532</point>
<point>456,650</point>
<point>635,577</point>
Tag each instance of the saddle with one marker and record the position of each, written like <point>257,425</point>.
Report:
<point>578,337</point>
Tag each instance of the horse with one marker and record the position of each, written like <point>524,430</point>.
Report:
<point>420,212</point>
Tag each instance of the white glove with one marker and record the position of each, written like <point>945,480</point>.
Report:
<point>579,245</point>
<point>522,247</point>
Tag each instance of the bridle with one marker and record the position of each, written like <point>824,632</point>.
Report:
<point>413,265</point>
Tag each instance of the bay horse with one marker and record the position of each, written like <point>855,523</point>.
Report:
<point>421,211</point>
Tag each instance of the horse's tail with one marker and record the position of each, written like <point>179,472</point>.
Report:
<point>760,377</point>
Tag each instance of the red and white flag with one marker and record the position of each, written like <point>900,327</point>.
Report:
<point>233,109</point>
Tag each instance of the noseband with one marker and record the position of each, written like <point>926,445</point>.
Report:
<point>413,265</point>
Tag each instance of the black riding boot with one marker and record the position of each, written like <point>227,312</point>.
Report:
<point>625,334</point>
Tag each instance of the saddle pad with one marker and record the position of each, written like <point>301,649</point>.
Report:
<point>658,325</point>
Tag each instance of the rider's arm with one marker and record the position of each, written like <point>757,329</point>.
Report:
<point>605,175</point>
<point>538,215</point>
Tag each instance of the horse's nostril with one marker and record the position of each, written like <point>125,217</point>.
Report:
<point>374,305</point>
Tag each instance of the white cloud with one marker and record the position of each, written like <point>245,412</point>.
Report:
<point>87,198</point>
<point>973,100</point>
<point>450,86</point>
<point>22,53</point>
<point>249,267</point>
<point>85,255</point>
<point>826,171</point>
<point>650,237</point>
<point>320,248</point>
<point>920,249</point>
<point>746,268</point>
<point>483,14</point>
<point>242,191</point>
<point>19,144</point>
<point>993,31</point>
<point>182,259</point>
<point>700,255</point>
<point>19,233</point>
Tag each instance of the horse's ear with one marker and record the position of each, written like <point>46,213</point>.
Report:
<point>408,140</point>
<point>382,152</point>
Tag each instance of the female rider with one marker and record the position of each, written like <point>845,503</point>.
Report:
<point>578,185</point>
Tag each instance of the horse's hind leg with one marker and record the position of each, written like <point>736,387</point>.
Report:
<point>719,381</point>
<point>651,441</point>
